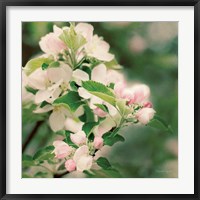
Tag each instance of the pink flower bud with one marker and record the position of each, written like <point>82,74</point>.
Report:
<point>98,142</point>
<point>62,149</point>
<point>147,104</point>
<point>70,165</point>
<point>99,112</point>
<point>145,115</point>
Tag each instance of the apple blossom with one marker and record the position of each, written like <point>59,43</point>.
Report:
<point>51,43</point>
<point>92,115</point>
<point>145,115</point>
<point>62,149</point>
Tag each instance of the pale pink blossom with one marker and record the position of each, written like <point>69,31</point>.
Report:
<point>136,94</point>
<point>78,138</point>
<point>83,159</point>
<point>62,149</point>
<point>114,76</point>
<point>70,165</point>
<point>141,92</point>
<point>51,43</point>
<point>145,115</point>
<point>98,142</point>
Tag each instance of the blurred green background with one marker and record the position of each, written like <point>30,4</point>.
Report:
<point>149,54</point>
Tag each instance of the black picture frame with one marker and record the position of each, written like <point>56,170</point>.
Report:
<point>5,3</point>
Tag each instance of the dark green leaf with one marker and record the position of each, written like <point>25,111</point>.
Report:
<point>71,101</point>
<point>112,140</point>
<point>74,86</point>
<point>88,127</point>
<point>103,163</point>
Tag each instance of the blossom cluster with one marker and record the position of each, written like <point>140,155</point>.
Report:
<point>78,82</point>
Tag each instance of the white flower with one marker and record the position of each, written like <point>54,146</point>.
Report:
<point>51,43</point>
<point>82,158</point>
<point>99,49</point>
<point>49,82</point>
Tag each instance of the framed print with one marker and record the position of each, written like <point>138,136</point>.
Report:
<point>99,99</point>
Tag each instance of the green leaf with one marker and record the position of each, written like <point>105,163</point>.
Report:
<point>71,101</point>
<point>102,107</point>
<point>99,90</point>
<point>159,123</point>
<point>36,63</point>
<point>27,161</point>
<point>88,127</point>
<point>44,154</point>
<point>31,90</point>
<point>103,163</point>
<point>68,140</point>
<point>73,40</point>
<point>112,140</point>
<point>74,86</point>
<point>113,64</point>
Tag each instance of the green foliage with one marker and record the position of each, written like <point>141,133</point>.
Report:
<point>71,101</point>
<point>31,90</point>
<point>99,90</point>
<point>88,127</point>
<point>27,161</point>
<point>44,154</point>
<point>103,163</point>
<point>112,140</point>
<point>73,40</point>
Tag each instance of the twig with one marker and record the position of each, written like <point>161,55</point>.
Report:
<point>32,134</point>
<point>60,175</point>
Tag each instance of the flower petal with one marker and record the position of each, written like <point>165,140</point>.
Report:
<point>99,73</point>
<point>73,125</point>
<point>57,120</point>
<point>80,75</point>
